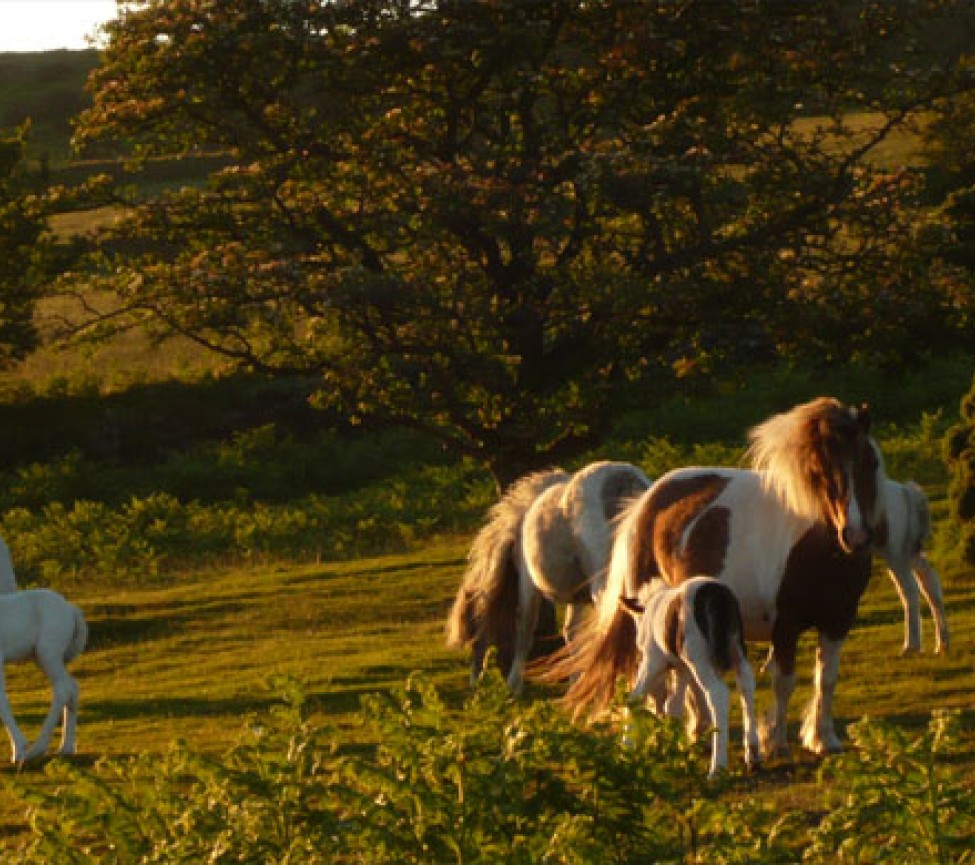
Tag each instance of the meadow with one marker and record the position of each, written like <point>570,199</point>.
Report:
<point>191,660</point>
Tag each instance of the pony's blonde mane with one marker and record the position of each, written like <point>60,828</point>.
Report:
<point>780,451</point>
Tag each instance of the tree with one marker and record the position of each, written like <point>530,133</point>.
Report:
<point>490,220</point>
<point>21,227</point>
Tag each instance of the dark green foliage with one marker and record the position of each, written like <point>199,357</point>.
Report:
<point>960,457</point>
<point>497,781</point>
<point>21,248</point>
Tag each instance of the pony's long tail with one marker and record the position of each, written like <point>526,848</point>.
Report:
<point>80,638</point>
<point>484,610</point>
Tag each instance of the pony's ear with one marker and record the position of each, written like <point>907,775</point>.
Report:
<point>863,417</point>
<point>633,607</point>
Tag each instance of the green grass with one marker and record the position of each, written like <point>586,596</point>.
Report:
<point>192,659</point>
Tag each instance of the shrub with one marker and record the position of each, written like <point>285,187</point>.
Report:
<point>960,456</point>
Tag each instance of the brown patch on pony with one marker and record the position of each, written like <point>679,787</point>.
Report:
<point>674,626</point>
<point>821,588</point>
<point>668,510</point>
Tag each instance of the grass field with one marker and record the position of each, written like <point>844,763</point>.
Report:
<point>193,659</point>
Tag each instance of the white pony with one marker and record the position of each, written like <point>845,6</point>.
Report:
<point>8,582</point>
<point>550,537</point>
<point>899,540</point>
<point>40,625</point>
<point>695,630</point>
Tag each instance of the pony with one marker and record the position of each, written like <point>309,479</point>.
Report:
<point>791,537</point>
<point>695,630</point>
<point>8,582</point>
<point>40,624</point>
<point>549,537</point>
<point>899,541</point>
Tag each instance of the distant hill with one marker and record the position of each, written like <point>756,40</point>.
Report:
<point>49,88</point>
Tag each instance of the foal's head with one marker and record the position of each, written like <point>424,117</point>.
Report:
<point>820,460</point>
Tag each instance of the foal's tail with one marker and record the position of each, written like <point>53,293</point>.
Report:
<point>484,611</point>
<point>718,616</point>
<point>80,638</point>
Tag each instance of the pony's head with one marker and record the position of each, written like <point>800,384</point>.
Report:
<point>820,461</point>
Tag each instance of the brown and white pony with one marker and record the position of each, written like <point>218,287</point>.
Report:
<point>549,536</point>
<point>901,532</point>
<point>791,538</point>
<point>695,631</point>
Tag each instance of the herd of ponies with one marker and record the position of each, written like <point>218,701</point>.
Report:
<point>664,581</point>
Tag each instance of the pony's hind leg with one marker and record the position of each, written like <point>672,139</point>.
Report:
<point>64,693</point>
<point>18,741</point>
<point>70,719</point>
<point>529,600</point>
<point>907,590</point>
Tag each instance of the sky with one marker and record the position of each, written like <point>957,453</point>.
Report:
<point>42,25</point>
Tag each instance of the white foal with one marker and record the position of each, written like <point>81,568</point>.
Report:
<point>695,630</point>
<point>40,625</point>
<point>899,540</point>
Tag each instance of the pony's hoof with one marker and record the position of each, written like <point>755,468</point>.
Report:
<point>910,651</point>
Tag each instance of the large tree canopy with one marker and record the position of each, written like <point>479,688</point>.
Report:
<point>488,219</point>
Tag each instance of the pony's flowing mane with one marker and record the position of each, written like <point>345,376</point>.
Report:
<point>785,450</point>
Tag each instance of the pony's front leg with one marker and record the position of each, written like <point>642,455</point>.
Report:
<point>930,585</point>
<point>907,589</point>
<point>783,684</point>
<point>818,734</point>
<point>18,741</point>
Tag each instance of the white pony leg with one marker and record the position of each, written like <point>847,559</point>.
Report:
<point>907,589</point>
<point>745,678</point>
<point>18,741</point>
<point>70,719</point>
<point>717,700</point>
<point>930,585</point>
<point>818,734</point>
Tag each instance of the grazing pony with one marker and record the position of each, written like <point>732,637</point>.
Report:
<point>40,625</point>
<point>549,536</point>
<point>791,538</point>
<point>899,540</point>
<point>695,630</point>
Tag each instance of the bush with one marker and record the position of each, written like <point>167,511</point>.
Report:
<point>960,456</point>
<point>497,781</point>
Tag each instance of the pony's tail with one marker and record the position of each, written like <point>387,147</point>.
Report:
<point>593,662</point>
<point>485,607</point>
<point>719,619</point>
<point>80,638</point>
